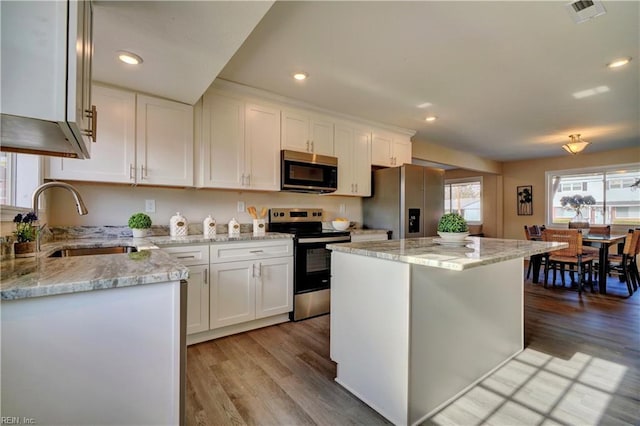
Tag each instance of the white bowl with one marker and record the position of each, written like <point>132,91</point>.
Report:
<point>453,236</point>
<point>340,225</point>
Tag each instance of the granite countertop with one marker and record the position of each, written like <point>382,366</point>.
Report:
<point>45,276</point>
<point>426,251</point>
<point>368,231</point>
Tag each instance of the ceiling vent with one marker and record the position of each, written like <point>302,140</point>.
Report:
<point>583,10</point>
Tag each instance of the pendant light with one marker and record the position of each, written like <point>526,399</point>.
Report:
<point>576,145</point>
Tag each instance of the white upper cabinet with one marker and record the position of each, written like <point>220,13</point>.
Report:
<point>114,153</point>
<point>143,140</point>
<point>262,150</point>
<point>240,144</point>
<point>353,149</point>
<point>305,132</point>
<point>164,142</point>
<point>47,49</point>
<point>221,153</point>
<point>390,150</point>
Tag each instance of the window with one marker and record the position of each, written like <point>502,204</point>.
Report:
<point>464,196</point>
<point>617,201</point>
<point>19,177</point>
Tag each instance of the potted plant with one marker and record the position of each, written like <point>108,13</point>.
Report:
<point>26,233</point>
<point>139,224</point>
<point>452,226</point>
<point>575,203</point>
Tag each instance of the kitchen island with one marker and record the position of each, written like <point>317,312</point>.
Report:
<point>415,323</point>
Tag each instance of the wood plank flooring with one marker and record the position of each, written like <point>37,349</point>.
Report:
<point>581,366</point>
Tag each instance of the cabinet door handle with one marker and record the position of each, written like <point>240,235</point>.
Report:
<point>356,187</point>
<point>206,274</point>
<point>259,270</point>
<point>313,149</point>
<point>143,171</point>
<point>131,171</point>
<point>92,131</point>
<point>308,150</point>
<point>351,187</point>
<point>249,179</point>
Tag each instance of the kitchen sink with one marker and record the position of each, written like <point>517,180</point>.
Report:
<point>89,251</point>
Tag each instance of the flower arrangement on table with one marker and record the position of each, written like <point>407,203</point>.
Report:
<point>576,202</point>
<point>26,233</point>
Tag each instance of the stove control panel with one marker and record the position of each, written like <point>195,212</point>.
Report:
<point>295,215</point>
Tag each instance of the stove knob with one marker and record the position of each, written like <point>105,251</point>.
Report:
<point>281,214</point>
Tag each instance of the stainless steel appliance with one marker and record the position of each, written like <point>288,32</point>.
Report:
<point>312,260</point>
<point>304,172</point>
<point>408,200</point>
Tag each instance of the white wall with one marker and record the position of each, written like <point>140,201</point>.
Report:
<point>113,204</point>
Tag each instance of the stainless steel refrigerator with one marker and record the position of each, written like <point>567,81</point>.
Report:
<point>408,200</point>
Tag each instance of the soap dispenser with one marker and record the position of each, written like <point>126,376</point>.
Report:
<point>178,225</point>
<point>209,227</point>
<point>234,228</point>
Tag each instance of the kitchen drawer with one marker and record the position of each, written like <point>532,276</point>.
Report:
<point>230,252</point>
<point>189,255</point>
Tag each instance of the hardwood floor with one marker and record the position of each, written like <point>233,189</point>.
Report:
<point>581,366</point>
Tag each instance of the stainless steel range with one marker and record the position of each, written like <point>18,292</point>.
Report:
<point>312,260</point>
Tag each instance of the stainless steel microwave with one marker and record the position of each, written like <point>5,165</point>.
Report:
<point>304,172</point>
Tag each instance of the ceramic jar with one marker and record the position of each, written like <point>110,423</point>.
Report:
<point>178,225</point>
<point>209,227</point>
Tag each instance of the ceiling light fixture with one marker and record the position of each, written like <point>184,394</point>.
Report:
<point>576,145</point>
<point>619,62</point>
<point>431,119</point>
<point>300,76</point>
<point>129,58</point>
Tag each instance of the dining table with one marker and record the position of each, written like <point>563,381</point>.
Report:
<point>602,241</point>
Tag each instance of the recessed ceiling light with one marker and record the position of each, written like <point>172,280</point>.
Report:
<point>431,118</point>
<point>619,62</point>
<point>425,105</point>
<point>300,76</point>
<point>129,58</point>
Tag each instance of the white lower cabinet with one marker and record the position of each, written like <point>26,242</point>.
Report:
<point>196,258</point>
<point>232,295</point>
<point>236,286</point>
<point>248,290</point>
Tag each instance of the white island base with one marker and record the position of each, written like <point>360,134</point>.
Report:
<point>409,338</point>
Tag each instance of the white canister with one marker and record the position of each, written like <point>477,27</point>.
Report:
<point>178,225</point>
<point>234,228</point>
<point>209,227</point>
<point>258,228</point>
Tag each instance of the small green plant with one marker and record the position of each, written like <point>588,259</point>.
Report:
<point>25,229</point>
<point>452,222</point>
<point>139,221</point>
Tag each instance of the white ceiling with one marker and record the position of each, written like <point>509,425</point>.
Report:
<point>499,75</point>
<point>184,44</point>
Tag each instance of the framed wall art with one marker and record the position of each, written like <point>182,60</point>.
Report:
<point>525,200</point>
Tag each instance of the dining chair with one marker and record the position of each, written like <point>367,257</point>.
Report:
<point>533,232</point>
<point>600,230</point>
<point>572,256</point>
<point>624,264</point>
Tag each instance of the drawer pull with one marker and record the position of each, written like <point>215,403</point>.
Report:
<point>186,257</point>
<point>256,251</point>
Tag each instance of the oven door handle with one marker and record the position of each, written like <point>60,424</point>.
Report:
<point>324,240</point>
